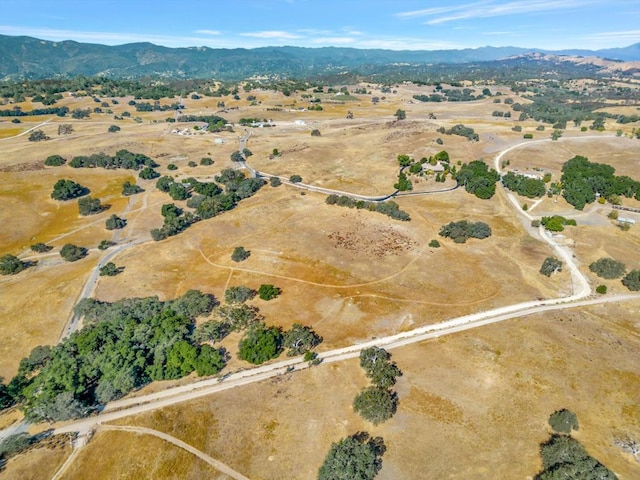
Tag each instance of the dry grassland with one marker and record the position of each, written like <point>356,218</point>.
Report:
<point>472,405</point>
<point>130,456</point>
<point>39,463</point>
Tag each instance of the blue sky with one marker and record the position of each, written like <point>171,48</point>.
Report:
<point>391,24</point>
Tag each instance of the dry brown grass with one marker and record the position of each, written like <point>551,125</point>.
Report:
<point>132,456</point>
<point>38,463</point>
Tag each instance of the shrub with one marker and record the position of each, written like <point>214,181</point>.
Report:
<point>113,129</point>
<point>528,136</point>
<point>104,244</point>
<point>71,252</point>
<point>608,268</point>
<point>268,292</point>
<point>40,247</point>
<point>239,254</point>
<point>550,265</point>
<point>434,243</point>
<point>10,265</point>
<point>239,294</point>
<point>632,280</point>
<point>206,161</point>
<point>275,182</point>
<point>172,166</point>
<point>89,206</point>
<point>601,289</point>
<point>38,136</point>
<point>129,188</point>
<point>114,222</point>
<point>315,132</point>
<point>110,270</point>
<point>295,178</point>
<point>55,161</point>
<point>563,421</point>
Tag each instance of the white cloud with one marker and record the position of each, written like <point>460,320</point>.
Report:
<point>270,34</point>
<point>629,35</point>
<point>437,10</point>
<point>491,8</point>
<point>209,32</point>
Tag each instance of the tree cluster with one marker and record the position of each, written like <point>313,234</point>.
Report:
<point>583,180</point>
<point>556,223</point>
<point>462,230</point>
<point>390,208</point>
<point>478,179</point>
<point>608,268</point>
<point>68,189</point>
<point>122,159</point>
<point>377,403</point>
<point>124,345</point>
<point>461,131</point>
<point>525,186</point>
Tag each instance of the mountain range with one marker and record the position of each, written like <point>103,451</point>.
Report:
<point>32,58</point>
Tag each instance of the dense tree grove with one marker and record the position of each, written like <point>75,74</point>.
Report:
<point>124,345</point>
<point>389,208</point>
<point>583,180</point>
<point>525,186</point>
<point>68,189</point>
<point>357,457</point>
<point>463,230</point>
<point>608,268</point>
<point>122,159</point>
<point>478,179</point>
